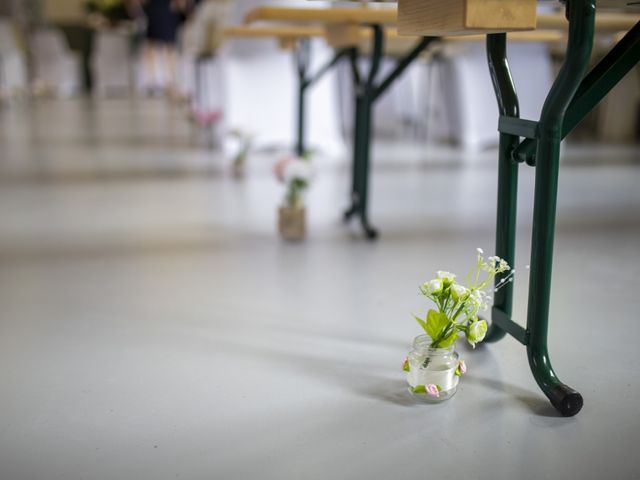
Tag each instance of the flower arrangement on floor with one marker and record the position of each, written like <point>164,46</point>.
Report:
<point>433,366</point>
<point>245,142</point>
<point>295,173</point>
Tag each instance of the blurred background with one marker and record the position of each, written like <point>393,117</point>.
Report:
<point>70,49</point>
<point>154,325</point>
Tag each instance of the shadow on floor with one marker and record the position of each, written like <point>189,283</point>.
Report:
<point>349,371</point>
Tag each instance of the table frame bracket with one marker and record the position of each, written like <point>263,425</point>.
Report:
<point>302,60</point>
<point>624,56</point>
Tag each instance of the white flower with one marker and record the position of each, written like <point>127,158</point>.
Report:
<point>480,251</point>
<point>478,299</point>
<point>476,332</point>
<point>445,276</point>
<point>432,286</point>
<point>298,170</point>
<point>459,291</point>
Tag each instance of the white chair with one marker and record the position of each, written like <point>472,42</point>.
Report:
<point>56,68</point>
<point>266,106</point>
<point>13,64</point>
<point>112,63</point>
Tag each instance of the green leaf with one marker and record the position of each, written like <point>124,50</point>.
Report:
<point>422,323</point>
<point>405,365</point>
<point>437,322</point>
<point>449,339</point>
<point>419,389</point>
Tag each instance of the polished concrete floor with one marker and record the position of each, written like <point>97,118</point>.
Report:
<point>153,326</point>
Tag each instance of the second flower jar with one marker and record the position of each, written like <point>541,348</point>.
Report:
<point>291,223</point>
<point>432,373</point>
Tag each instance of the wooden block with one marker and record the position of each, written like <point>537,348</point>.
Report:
<point>464,17</point>
<point>343,35</point>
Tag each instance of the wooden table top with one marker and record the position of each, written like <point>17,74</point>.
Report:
<point>391,34</point>
<point>605,21</point>
<point>630,4</point>
<point>618,4</point>
<point>284,31</point>
<point>325,16</point>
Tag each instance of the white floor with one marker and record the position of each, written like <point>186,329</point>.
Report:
<point>153,326</point>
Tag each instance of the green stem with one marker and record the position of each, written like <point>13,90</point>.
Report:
<point>458,312</point>
<point>445,333</point>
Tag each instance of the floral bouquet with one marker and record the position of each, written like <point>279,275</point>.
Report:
<point>296,173</point>
<point>245,143</point>
<point>432,366</point>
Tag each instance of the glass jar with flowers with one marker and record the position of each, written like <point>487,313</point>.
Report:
<point>433,366</point>
<point>296,174</point>
<point>244,142</point>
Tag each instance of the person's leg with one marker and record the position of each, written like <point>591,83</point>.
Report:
<point>148,66</point>
<point>169,59</point>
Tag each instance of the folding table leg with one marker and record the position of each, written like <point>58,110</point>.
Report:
<point>507,174</point>
<point>302,59</point>
<point>302,56</point>
<point>365,91</point>
<point>362,149</point>
<point>547,134</point>
<point>581,14</point>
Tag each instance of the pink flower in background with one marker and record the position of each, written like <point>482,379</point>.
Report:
<point>292,168</point>
<point>281,166</point>
<point>433,390</point>
<point>205,119</point>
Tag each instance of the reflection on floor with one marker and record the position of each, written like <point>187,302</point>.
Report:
<point>153,325</point>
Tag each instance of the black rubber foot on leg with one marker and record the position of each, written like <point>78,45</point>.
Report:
<point>566,400</point>
<point>370,232</point>
<point>346,216</point>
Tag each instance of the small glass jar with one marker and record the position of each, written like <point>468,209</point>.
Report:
<point>432,373</point>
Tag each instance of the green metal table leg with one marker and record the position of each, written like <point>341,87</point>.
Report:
<point>356,81</point>
<point>507,174</point>
<point>364,93</point>
<point>367,93</point>
<point>581,15</point>
<point>302,58</point>
<point>546,135</point>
